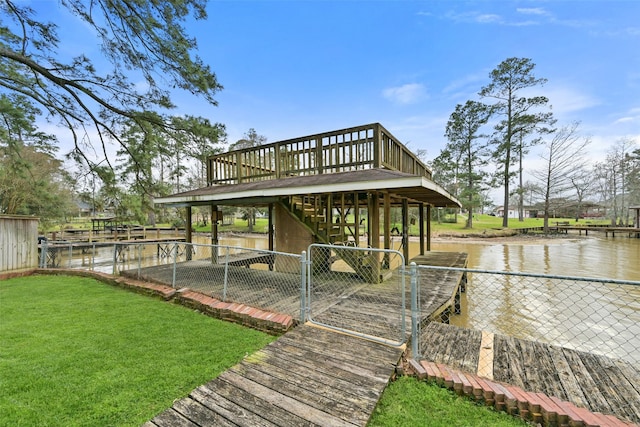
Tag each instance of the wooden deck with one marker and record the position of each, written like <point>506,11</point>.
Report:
<point>589,381</point>
<point>315,376</point>
<point>308,377</point>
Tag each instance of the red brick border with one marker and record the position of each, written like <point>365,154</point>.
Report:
<point>265,321</point>
<point>535,407</point>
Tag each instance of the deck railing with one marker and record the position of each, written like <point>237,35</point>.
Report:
<point>363,147</point>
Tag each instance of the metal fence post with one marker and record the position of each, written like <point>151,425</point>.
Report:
<point>175,261</point>
<point>303,287</point>
<point>43,254</point>
<point>115,258</point>
<point>139,259</point>
<point>415,315</point>
<point>226,275</point>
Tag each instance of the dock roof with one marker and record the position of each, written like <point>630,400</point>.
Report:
<point>400,184</point>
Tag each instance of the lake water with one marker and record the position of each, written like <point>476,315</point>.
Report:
<point>604,316</point>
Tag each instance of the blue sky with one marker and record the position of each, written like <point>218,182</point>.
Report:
<point>293,68</point>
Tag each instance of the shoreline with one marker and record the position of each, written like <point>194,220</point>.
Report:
<point>465,238</point>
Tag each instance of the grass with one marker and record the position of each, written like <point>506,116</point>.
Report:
<point>409,402</point>
<point>76,352</point>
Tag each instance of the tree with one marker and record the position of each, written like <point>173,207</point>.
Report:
<point>32,180</point>
<point>251,139</point>
<point>519,117</point>
<point>564,158</point>
<point>141,40</point>
<point>463,134</point>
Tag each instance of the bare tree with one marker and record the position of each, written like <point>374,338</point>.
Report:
<point>564,156</point>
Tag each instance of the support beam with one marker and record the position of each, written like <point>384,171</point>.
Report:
<point>421,219</point>
<point>271,213</point>
<point>405,230</point>
<point>428,227</point>
<point>373,215</point>
<point>387,229</point>
<point>188,227</point>
<point>215,214</point>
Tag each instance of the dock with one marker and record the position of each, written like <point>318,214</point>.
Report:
<point>315,375</point>
<point>542,378</point>
<point>309,376</point>
<point>57,249</point>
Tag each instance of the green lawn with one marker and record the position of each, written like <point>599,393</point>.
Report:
<point>409,402</point>
<point>76,352</point>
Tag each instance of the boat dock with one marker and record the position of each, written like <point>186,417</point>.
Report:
<point>314,375</point>
<point>540,382</point>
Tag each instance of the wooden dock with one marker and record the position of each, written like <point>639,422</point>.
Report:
<point>308,377</point>
<point>595,383</point>
<point>317,376</point>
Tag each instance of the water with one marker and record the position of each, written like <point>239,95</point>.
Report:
<point>610,258</point>
<point>606,316</point>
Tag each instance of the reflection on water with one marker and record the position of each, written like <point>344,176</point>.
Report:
<point>563,312</point>
<point>611,258</point>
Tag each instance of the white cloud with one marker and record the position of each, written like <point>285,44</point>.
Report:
<point>566,99</point>
<point>532,11</point>
<point>406,94</point>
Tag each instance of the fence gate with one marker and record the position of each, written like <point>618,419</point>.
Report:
<point>360,291</point>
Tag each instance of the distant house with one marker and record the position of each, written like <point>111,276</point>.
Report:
<point>529,212</point>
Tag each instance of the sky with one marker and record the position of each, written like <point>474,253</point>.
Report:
<point>296,68</point>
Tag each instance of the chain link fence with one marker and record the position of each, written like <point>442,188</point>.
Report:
<point>264,279</point>
<point>350,290</point>
<point>598,316</point>
<point>367,292</point>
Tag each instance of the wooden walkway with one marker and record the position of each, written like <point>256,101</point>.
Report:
<point>589,381</point>
<point>307,377</point>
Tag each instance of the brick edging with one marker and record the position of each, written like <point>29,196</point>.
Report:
<point>265,321</point>
<point>534,407</point>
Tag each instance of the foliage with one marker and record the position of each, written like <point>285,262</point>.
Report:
<point>32,180</point>
<point>519,114</point>
<point>465,155</point>
<point>77,352</point>
<point>149,53</point>
<point>409,402</point>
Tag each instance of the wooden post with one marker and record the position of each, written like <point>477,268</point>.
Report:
<point>373,213</point>
<point>421,219</point>
<point>356,218</point>
<point>428,227</point>
<point>271,246</point>
<point>405,230</point>
<point>188,234</point>
<point>386,262</point>
<point>214,234</point>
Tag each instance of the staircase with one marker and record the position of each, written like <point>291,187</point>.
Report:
<point>335,221</point>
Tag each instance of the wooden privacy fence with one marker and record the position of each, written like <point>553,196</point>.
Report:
<point>18,243</point>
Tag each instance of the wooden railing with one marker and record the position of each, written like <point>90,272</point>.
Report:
<point>363,147</point>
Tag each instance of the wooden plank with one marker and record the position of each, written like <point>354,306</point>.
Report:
<point>588,382</point>
<point>605,390</point>
<point>539,369</point>
<point>171,418</point>
<point>362,367</point>
<point>287,403</point>
<point>569,382</point>
<point>200,414</point>
<point>208,396</point>
<point>303,370</point>
<point>485,359</point>
<point>313,392</point>
<point>508,361</point>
